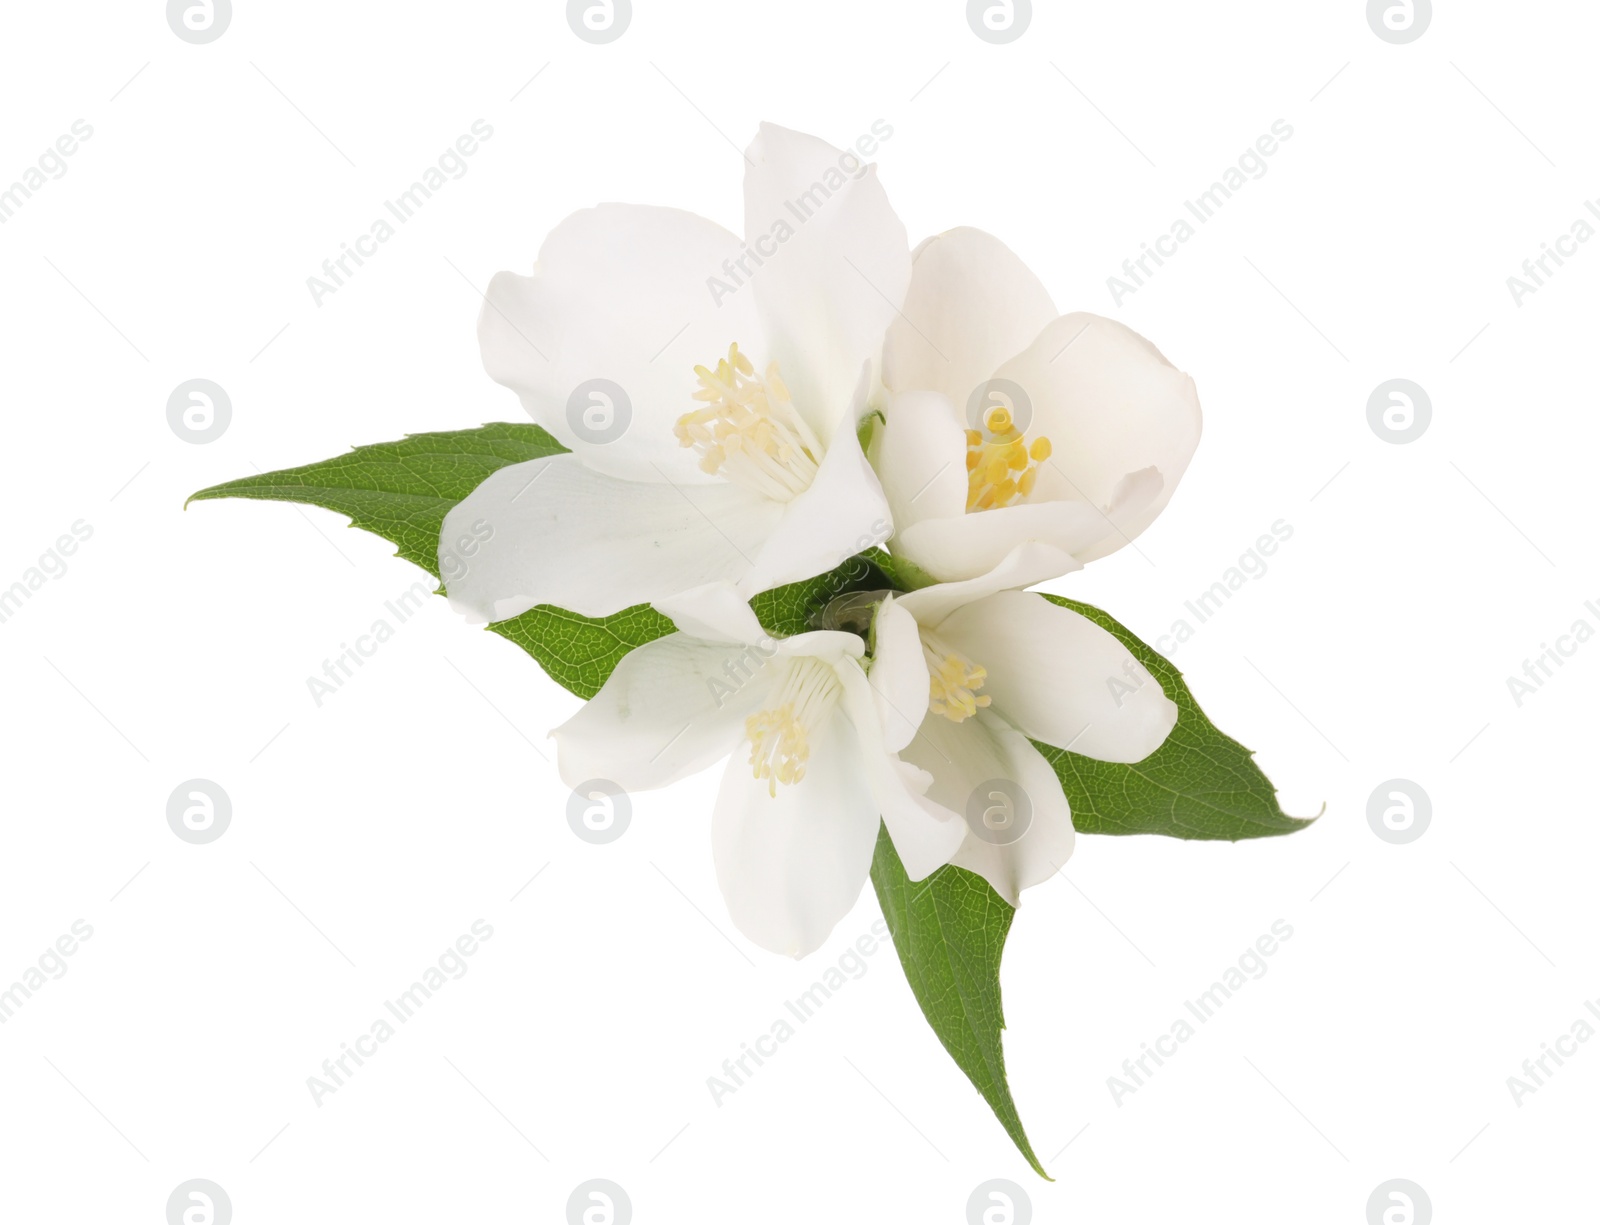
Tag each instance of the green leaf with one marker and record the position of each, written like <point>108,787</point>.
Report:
<point>1198,784</point>
<point>950,930</point>
<point>903,574</point>
<point>868,430</point>
<point>578,652</point>
<point>787,611</point>
<point>400,490</point>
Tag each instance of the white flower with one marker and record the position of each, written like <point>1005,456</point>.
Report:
<point>797,815</point>
<point>730,456</point>
<point>983,668</point>
<point>1009,423</point>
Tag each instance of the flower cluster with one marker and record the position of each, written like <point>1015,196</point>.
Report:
<point>850,393</point>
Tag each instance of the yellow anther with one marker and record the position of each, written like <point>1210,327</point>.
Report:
<point>1002,466</point>
<point>749,430</point>
<point>953,682</point>
<point>779,748</point>
<point>780,734</point>
<point>998,419</point>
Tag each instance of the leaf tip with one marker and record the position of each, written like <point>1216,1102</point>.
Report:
<point>209,493</point>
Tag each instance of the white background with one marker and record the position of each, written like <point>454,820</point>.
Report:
<point>370,832</point>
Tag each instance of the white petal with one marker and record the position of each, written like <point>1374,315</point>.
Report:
<point>899,674</point>
<point>1060,678</point>
<point>671,708</point>
<point>972,305</point>
<point>925,835</point>
<point>843,513</point>
<point>1024,566</point>
<point>551,531</point>
<point>970,545</point>
<point>921,456</point>
<point>715,612</point>
<point>830,646</point>
<point>838,267</point>
<point>792,865</point>
<point>1111,405</point>
<point>984,766</point>
<point>620,292</point>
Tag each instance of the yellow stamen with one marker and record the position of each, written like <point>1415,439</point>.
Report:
<point>1002,467</point>
<point>780,734</point>
<point>953,681</point>
<point>749,429</point>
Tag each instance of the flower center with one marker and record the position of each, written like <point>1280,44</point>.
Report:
<point>749,430</point>
<point>953,681</point>
<point>781,733</point>
<point>1001,468</point>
